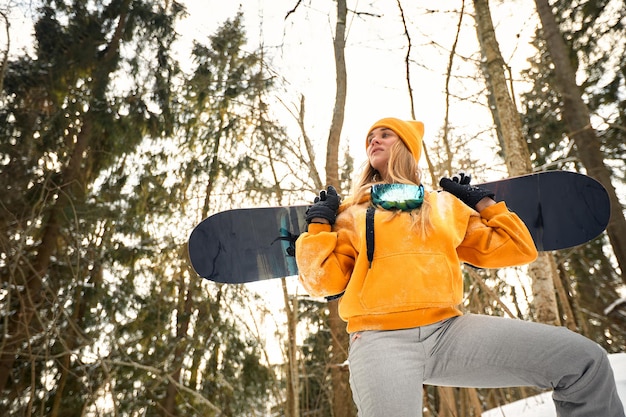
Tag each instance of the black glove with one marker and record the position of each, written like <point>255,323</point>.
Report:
<point>460,187</point>
<point>324,206</point>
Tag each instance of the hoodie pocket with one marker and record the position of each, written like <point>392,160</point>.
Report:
<point>408,281</point>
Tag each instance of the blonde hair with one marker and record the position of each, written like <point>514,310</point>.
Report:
<point>402,168</point>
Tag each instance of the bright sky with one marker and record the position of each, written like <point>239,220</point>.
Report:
<point>375,53</point>
<point>301,52</point>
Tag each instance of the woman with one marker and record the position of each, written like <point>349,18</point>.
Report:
<point>393,252</point>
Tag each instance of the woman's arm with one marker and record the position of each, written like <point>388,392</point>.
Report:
<point>497,238</point>
<point>325,260</point>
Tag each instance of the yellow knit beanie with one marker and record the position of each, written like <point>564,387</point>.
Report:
<point>410,132</point>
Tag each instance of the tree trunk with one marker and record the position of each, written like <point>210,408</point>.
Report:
<point>70,341</point>
<point>292,408</point>
<point>5,57</point>
<point>343,405</point>
<point>577,119</point>
<point>517,157</point>
<point>183,317</point>
<point>564,299</point>
<point>309,148</point>
<point>19,329</point>
<point>544,296</point>
<point>515,150</point>
<point>474,405</point>
<point>447,402</point>
<point>339,44</point>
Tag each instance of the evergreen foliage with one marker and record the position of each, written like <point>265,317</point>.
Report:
<point>595,34</point>
<point>107,149</point>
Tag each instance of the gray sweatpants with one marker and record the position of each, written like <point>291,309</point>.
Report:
<point>388,368</point>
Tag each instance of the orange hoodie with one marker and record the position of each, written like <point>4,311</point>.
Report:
<point>412,281</point>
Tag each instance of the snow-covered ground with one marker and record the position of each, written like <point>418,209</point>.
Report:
<point>542,405</point>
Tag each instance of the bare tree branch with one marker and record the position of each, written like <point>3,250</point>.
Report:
<point>293,10</point>
<point>167,377</point>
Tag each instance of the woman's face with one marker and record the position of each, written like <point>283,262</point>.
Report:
<point>379,145</point>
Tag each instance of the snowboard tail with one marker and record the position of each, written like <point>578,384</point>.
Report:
<point>561,209</point>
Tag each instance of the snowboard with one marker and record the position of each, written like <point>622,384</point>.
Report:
<point>561,209</point>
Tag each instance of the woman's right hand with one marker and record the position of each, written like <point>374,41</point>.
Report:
<point>324,208</point>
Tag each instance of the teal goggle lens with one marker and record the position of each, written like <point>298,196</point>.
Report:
<point>403,197</point>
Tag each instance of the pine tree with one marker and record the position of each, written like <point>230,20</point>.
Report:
<point>62,127</point>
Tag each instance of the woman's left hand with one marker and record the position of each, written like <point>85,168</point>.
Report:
<point>476,197</point>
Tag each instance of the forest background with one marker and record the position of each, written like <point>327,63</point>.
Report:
<point>126,122</point>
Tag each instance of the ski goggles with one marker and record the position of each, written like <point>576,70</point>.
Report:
<point>403,197</point>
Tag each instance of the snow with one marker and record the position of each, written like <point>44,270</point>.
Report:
<point>618,303</point>
<point>542,405</point>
